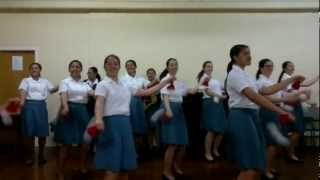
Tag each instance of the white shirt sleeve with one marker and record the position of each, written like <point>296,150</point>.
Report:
<point>88,88</point>
<point>238,82</point>
<point>164,90</point>
<point>260,84</point>
<point>184,89</point>
<point>101,90</point>
<point>49,85</point>
<point>145,82</point>
<point>23,85</point>
<point>63,87</point>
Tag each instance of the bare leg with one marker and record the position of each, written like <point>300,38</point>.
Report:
<point>168,161</point>
<point>208,146</point>
<point>84,158</point>
<point>63,150</point>
<point>270,161</point>
<point>217,142</point>
<point>111,176</point>
<point>179,159</point>
<point>124,176</point>
<point>42,144</point>
<point>294,141</point>
<point>28,143</point>
<point>248,175</point>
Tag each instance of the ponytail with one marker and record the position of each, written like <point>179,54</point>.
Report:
<point>258,74</point>
<point>163,74</point>
<point>200,74</point>
<point>98,77</point>
<point>234,51</point>
<point>280,76</point>
<point>284,66</point>
<point>165,71</point>
<point>262,63</point>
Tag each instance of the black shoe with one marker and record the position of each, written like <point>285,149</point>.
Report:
<point>209,160</point>
<point>42,161</point>
<point>264,177</point>
<point>29,162</point>
<point>180,176</point>
<point>275,173</point>
<point>294,161</point>
<point>164,177</point>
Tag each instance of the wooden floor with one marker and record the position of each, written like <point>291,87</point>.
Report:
<point>12,169</point>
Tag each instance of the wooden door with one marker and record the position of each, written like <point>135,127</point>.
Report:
<point>10,77</point>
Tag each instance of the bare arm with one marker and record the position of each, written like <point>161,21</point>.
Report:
<point>23,96</point>
<point>91,93</point>
<point>154,89</point>
<point>310,82</point>
<point>279,86</point>
<point>99,106</point>
<point>64,103</point>
<point>167,107</point>
<point>213,94</point>
<point>54,90</point>
<point>261,101</point>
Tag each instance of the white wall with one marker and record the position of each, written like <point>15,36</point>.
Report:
<point>150,39</point>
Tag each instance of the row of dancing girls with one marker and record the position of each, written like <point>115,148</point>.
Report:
<point>74,95</point>
<point>74,118</point>
<point>296,130</point>
<point>271,126</point>
<point>245,137</point>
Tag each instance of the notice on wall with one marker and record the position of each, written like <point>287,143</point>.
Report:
<point>17,63</point>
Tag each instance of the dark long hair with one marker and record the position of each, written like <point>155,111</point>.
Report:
<point>284,67</point>
<point>37,64</point>
<point>131,61</point>
<point>262,62</point>
<point>165,71</point>
<point>200,74</point>
<point>75,61</point>
<point>234,51</point>
<point>95,70</point>
<point>111,56</point>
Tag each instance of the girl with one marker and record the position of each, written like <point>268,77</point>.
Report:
<point>134,82</point>
<point>213,115</point>
<point>34,91</point>
<point>115,147</point>
<point>93,79</point>
<point>173,131</point>
<point>270,118</point>
<point>296,130</point>
<point>137,116</point>
<point>152,104</point>
<point>70,128</point>
<point>244,132</point>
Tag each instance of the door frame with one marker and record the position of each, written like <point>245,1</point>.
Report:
<point>22,48</point>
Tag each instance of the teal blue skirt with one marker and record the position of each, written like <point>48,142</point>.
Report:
<point>213,116</point>
<point>137,116</point>
<point>174,131</point>
<point>70,130</point>
<point>267,117</point>
<point>115,147</point>
<point>35,119</point>
<point>245,140</point>
<point>299,123</point>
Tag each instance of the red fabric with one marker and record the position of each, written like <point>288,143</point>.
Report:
<point>13,107</point>
<point>285,119</point>
<point>206,82</point>
<point>93,131</point>
<point>171,86</point>
<point>164,118</point>
<point>296,85</point>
